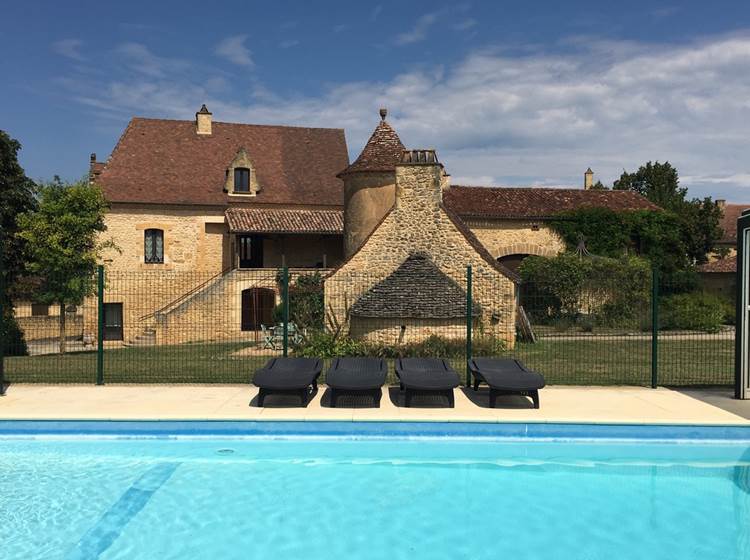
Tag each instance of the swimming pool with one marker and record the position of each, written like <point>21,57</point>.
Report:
<point>372,491</point>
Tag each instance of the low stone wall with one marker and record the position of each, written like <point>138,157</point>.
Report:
<point>404,331</point>
<point>46,327</point>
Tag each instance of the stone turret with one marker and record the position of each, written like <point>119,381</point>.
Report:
<point>588,179</point>
<point>370,184</point>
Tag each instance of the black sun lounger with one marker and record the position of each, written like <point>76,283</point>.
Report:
<point>506,376</point>
<point>426,376</point>
<point>288,375</point>
<point>356,376</point>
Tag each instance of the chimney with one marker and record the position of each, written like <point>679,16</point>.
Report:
<point>420,180</point>
<point>203,121</point>
<point>588,179</point>
<point>721,203</point>
<point>92,166</point>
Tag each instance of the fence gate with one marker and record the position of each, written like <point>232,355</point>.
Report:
<point>742,357</point>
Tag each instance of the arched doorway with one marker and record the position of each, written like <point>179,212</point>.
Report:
<point>257,308</point>
<point>512,262</point>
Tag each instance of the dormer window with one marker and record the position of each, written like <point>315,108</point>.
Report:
<point>241,177</point>
<point>241,180</point>
<point>153,246</point>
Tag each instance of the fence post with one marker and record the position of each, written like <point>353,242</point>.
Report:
<point>2,320</point>
<point>469,323</point>
<point>100,325</point>
<point>654,327</point>
<point>285,296</point>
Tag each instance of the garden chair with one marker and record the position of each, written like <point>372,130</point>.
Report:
<point>267,337</point>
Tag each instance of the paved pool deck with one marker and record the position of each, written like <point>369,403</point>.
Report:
<point>600,405</point>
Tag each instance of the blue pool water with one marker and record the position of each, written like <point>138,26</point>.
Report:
<point>389,497</point>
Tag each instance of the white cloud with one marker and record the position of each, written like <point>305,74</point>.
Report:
<point>496,117</point>
<point>70,48</point>
<point>140,59</point>
<point>234,50</point>
<point>419,31</point>
<point>289,43</point>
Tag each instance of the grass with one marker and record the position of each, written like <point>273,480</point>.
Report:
<point>589,361</point>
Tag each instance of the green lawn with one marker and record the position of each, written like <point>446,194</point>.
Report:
<point>591,361</point>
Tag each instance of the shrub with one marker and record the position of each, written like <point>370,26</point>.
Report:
<point>557,291</point>
<point>321,344</point>
<point>694,311</point>
<point>326,345</point>
<point>305,302</point>
<point>11,336</point>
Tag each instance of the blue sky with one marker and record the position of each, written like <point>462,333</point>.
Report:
<point>509,93</point>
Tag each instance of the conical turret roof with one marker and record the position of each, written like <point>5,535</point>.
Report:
<point>382,151</point>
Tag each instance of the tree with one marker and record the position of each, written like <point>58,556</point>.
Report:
<point>598,186</point>
<point>62,243</point>
<point>607,233</point>
<point>659,182</point>
<point>16,197</point>
<point>698,219</point>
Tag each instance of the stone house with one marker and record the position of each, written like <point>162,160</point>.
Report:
<point>718,275</point>
<point>413,245</point>
<point>408,231</point>
<point>204,213</point>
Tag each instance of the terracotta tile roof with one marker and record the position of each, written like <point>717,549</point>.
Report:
<point>167,162</point>
<point>269,220</point>
<point>496,202</point>
<point>409,292</point>
<point>96,168</point>
<point>727,264</point>
<point>728,221</point>
<point>381,153</point>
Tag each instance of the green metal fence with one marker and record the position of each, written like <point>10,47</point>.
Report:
<point>190,327</point>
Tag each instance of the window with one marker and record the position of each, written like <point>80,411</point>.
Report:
<point>153,250</point>
<point>112,321</point>
<point>39,309</point>
<point>241,179</point>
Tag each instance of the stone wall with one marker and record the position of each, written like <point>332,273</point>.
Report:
<point>392,332</point>
<point>418,223</point>
<point>194,239</point>
<point>178,307</point>
<point>199,241</point>
<point>48,327</point>
<point>516,237</point>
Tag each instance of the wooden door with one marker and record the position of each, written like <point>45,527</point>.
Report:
<point>257,308</point>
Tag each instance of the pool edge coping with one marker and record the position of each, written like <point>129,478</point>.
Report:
<point>373,429</point>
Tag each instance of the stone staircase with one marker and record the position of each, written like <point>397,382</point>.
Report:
<point>147,337</point>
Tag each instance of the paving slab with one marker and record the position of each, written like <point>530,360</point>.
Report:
<point>238,402</point>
